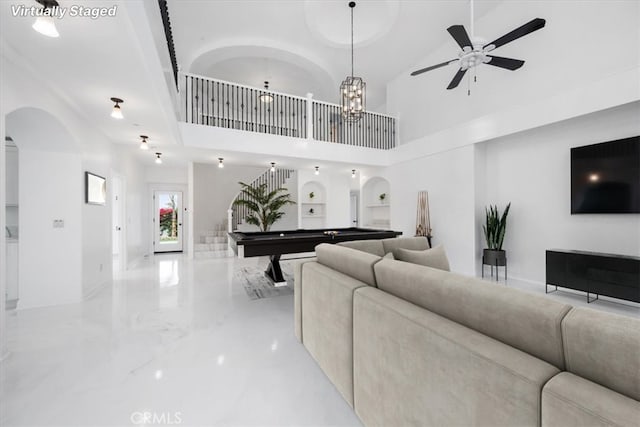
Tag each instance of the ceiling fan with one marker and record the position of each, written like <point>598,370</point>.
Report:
<point>475,50</point>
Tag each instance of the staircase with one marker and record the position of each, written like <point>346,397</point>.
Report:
<point>213,243</point>
<point>272,179</point>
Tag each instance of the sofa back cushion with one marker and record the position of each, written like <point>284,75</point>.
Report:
<point>351,262</point>
<point>412,243</point>
<point>603,348</point>
<point>435,258</point>
<point>528,322</point>
<point>373,246</point>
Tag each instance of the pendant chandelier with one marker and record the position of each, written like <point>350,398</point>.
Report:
<point>352,89</point>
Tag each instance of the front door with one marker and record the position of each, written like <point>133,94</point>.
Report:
<point>167,221</point>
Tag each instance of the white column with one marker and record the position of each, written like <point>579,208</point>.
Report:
<point>309,116</point>
<point>3,243</point>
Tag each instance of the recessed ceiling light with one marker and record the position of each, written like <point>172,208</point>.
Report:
<point>44,24</point>
<point>144,145</point>
<point>116,113</point>
<point>220,162</point>
<point>158,159</point>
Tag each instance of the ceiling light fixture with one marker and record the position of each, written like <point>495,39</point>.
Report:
<point>352,89</point>
<point>266,97</point>
<point>144,145</point>
<point>220,162</point>
<point>116,113</point>
<point>44,23</point>
<point>273,167</point>
<point>353,173</point>
<point>158,159</point>
<point>317,172</point>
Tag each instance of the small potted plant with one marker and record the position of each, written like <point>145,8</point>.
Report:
<point>311,211</point>
<point>311,195</point>
<point>494,231</point>
<point>382,197</point>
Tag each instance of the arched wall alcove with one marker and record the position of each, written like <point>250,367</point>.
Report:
<point>376,212</point>
<point>313,205</point>
<point>50,188</point>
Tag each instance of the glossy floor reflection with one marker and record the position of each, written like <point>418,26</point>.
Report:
<point>173,341</point>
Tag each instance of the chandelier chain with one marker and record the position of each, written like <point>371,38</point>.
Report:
<point>352,40</point>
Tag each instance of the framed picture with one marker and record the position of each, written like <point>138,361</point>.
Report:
<point>95,189</point>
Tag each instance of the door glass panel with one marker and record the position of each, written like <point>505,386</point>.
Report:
<point>168,218</point>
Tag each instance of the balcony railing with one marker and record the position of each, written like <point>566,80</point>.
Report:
<point>373,130</point>
<point>212,102</point>
<point>232,106</point>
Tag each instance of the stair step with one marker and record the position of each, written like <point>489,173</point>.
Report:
<point>213,254</point>
<point>200,247</point>
<point>213,239</point>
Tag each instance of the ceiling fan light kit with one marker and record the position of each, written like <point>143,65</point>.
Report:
<point>475,50</point>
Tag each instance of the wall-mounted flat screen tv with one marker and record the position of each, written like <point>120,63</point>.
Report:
<point>605,177</point>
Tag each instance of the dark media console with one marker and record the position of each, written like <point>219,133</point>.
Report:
<point>616,276</point>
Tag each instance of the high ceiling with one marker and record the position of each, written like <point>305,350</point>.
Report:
<point>299,46</point>
<point>304,46</point>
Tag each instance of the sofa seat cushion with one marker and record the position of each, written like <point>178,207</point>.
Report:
<point>415,368</point>
<point>571,401</point>
<point>528,322</point>
<point>351,262</point>
<point>434,258</point>
<point>413,243</point>
<point>604,348</point>
<point>373,247</point>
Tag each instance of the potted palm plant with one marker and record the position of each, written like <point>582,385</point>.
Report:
<point>494,231</point>
<point>265,206</point>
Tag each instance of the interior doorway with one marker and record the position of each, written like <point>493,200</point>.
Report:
<point>167,221</point>
<point>354,210</point>
<point>118,239</point>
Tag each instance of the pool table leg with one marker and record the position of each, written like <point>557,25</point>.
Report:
<point>274,272</point>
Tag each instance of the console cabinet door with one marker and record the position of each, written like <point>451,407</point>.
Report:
<point>556,268</point>
<point>577,272</point>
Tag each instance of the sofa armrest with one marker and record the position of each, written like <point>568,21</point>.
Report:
<point>297,295</point>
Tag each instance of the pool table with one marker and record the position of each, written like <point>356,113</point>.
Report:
<point>276,243</point>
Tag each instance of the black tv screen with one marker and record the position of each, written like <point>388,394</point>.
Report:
<point>605,177</point>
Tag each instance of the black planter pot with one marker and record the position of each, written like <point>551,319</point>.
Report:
<point>494,257</point>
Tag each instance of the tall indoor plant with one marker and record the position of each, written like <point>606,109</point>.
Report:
<point>264,206</point>
<point>494,229</point>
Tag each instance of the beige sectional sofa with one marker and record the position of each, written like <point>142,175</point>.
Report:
<point>408,345</point>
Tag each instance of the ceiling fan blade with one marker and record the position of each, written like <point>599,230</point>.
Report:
<point>433,67</point>
<point>508,63</point>
<point>460,35</point>
<point>529,27</point>
<point>456,79</point>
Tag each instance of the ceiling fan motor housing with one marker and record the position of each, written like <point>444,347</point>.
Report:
<point>470,57</point>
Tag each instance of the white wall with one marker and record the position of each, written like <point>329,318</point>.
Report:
<point>449,179</point>
<point>213,191</point>
<point>559,59</point>
<point>532,171</point>
<point>337,185</point>
<point>50,259</point>
<point>96,225</point>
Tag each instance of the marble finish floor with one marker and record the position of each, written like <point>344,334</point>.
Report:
<point>172,342</point>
